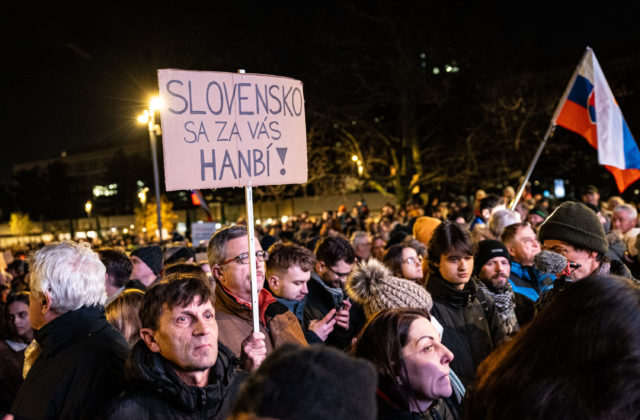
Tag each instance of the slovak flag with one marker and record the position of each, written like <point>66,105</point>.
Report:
<point>589,109</point>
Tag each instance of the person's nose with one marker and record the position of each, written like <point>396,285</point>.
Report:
<point>447,355</point>
<point>202,327</point>
<point>304,289</point>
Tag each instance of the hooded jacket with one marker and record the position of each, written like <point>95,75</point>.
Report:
<point>472,328</point>
<point>154,391</point>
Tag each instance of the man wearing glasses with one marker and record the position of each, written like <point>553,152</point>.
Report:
<point>228,255</point>
<point>334,260</point>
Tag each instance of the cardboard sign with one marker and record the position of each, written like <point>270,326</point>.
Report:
<point>231,129</point>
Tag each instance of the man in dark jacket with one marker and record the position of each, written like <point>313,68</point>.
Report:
<point>470,320</point>
<point>179,370</point>
<point>334,261</point>
<point>81,356</point>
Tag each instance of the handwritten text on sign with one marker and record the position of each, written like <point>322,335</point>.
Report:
<point>231,130</point>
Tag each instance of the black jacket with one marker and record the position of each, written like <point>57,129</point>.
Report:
<point>320,302</point>
<point>154,391</point>
<point>79,370</point>
<point>471,324</point>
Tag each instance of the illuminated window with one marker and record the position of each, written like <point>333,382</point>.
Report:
<point>105,190</point>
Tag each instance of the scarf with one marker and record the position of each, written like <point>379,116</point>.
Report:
<point>505,304</point>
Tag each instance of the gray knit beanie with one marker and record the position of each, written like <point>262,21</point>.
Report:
<point>577,225</point>
<point>373,287</point>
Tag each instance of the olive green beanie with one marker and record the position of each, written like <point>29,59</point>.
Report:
<point>577,225</point>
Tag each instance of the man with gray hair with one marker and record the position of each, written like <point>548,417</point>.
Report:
<point>81,356</point>
<point>623,222</point>
<point>361,244</point>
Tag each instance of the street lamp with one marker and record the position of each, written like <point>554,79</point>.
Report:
<point>149,118</point>
<point>87,208</point>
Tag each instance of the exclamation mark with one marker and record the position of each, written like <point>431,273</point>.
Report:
<point>282,152</point>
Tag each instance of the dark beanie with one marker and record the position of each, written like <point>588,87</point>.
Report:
<point>150,255</point>
<point>315,382</point>
<point>577,225</point>
<point>487,250</point>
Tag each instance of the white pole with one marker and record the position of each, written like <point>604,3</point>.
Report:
<point>255,309</point>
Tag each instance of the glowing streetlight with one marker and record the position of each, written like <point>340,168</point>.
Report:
<point>148,117</point>
<point>142,196</point>
<point>354,158</point>
<point>87,207</point>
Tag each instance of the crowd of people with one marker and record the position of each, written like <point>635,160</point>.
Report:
<point>446,311</point>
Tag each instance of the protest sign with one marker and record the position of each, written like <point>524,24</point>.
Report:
<point>231,129</point>
<point>201,232</point>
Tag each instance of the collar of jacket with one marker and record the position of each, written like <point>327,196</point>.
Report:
<point>296,307</point>
<point>146,369</point>
<point>68,328</point>
<point>238,306</point>
<point>443,290</point>
<point>335,294</point>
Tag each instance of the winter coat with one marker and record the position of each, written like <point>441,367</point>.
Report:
<point>154,391</point>
<point>79,370</point>
<point>472,328</point>
<point>320,301</point>
<point>235,322</point>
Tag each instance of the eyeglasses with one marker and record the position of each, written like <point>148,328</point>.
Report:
<point>244,258</point>
<point>340,275</point>
<point>413,260</point>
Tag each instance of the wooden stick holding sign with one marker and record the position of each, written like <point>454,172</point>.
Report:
<point>255,307</point>
<point>233,130</point>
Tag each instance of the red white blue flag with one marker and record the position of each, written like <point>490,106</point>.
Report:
<point>589,109</point>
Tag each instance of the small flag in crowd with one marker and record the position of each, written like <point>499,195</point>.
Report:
<point>589,109</point>
<point>198,200</point>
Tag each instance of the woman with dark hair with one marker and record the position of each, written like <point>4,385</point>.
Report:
<point>404,262</point>
<point>16,313</point>
<point>412,365</point>
<point>590,371</point>
<point>471,322</point>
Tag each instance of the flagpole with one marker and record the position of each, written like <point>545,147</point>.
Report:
<point>550,130</point>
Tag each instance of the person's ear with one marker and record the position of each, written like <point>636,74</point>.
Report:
<point>218,273</point>
<point>320,267</point>
<point>148,336</point>
<point>46,302</point>
<point>274,282</point>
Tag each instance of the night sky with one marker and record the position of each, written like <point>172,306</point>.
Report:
<point>75,79</point>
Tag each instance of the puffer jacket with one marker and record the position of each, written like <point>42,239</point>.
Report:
<point>472,328</point>
<point>154,391</point>
<point>235,322</point>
